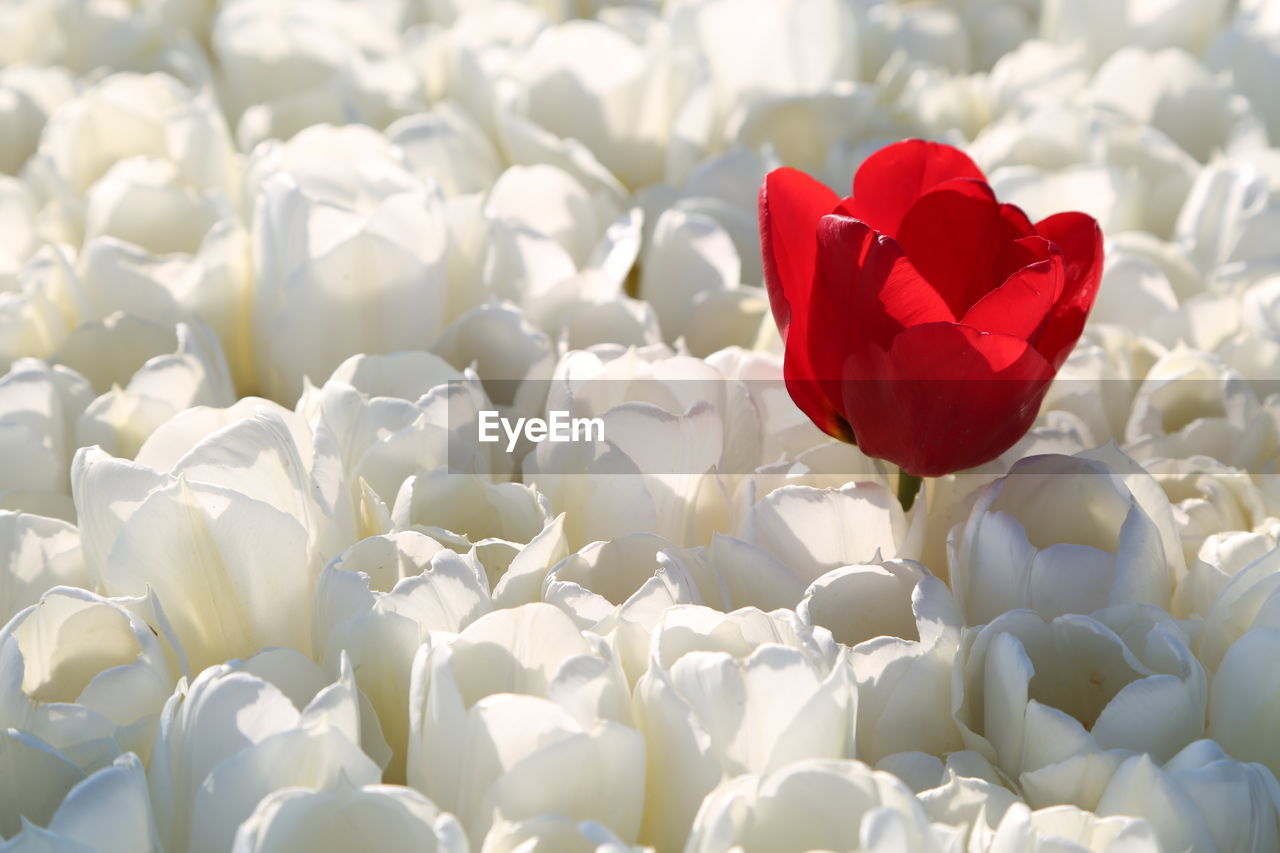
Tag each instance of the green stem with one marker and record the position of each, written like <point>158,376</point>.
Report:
<point>908,485</point>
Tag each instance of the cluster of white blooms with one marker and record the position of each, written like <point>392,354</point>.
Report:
<point>264,263</point>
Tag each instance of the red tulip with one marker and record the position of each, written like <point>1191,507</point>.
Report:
<point>922,318</point>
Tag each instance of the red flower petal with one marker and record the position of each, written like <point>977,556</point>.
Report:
<point>890,181</point>
<point>791,203</point>
<point>865,285</point>
<point>1020,306</point>
<point>1080,239</point>
<point>946,397</point>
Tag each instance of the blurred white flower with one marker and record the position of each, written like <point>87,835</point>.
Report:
<point>1054,828</point>
<point>39,408</point>
<point>39,553</point>
<point>816,805</point>
<point>1250,49</point>
<point>1208,498</point>
<point>645,121</point>
<point>755,47</point>
<point>1191,404</point>
<point>152,118</point>
<point>346,817</point>
<point>1101,27</point>
<point>285,65</point>
<point>42,302</point>
<point>554,834</point>
<point>29,94</point>
<point>928,34</point>
<point>48,803</point>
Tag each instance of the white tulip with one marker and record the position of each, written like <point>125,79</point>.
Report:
<point>41,307</point>
<point>645,121</point>
<point>464,511</point>
<point>904,628</point>
<point>792,47</point>
<point>711,707</point>
<point>1208,497</point>
<point>1228,214</point>
<point>552,834</point>
<point>553,243</point>
<point>255,507</point>
<point>1110,194</point>
<point>31,94</point>
<point>1080,162</point>
<point>1198,800</point>
<point>812,531</point>
<point>861,602</point>
<point>1100,27</point>
<point>1061,534</point>
<point>1056,827</point>
<point>82,671</point>
<point>828,132</point>
<point>40,553</point>
<point>1190,403</point>
<point>1244,688</point>
<point>191,371</point>
<point>39,407</point>
<point>1247,48</point>
<point>345,817</point>
<point>1247,600</point>
<point>512,357</point>
<point>963,792</point>
<point>151,116</point>
<point>519,696</point>
<point>446,145</point>
<point>1032,74</point>
<point>21,238</point>
<point>816,805</point>
<point>689,258</point>
<point>47,803</point>
<point>1251,343</point>
<point>1221,558</point>
<point>165,249</point>
<point>377,602</point>
<point>369,237</point>
<point>619,589</point>
<point>671,422</point>
<point>1173,92</point>
<point>244,729</point>
<point>338,54</point>
<point>396,415</point>
<point>1029,693</point>
<point>1140,291</point>
<point>927,35</point>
